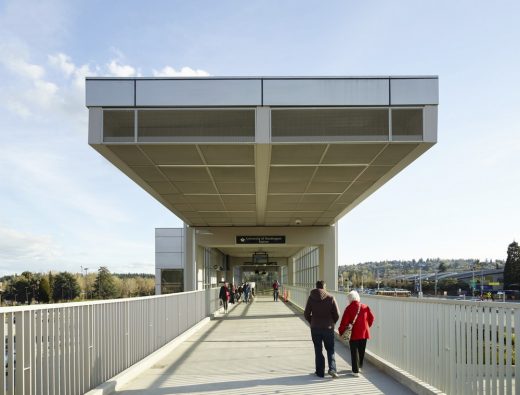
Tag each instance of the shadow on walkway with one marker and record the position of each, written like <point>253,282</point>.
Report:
<point>258,348</point>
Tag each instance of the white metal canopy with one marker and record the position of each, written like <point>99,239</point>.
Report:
<point>262,151</point>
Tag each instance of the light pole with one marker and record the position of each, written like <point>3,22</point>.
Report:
<point>420,282</point>
<point>473,280</point>
<point>86,279</point>
<point>481,282</point>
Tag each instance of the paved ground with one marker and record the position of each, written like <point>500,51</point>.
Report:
<point>260,348</point>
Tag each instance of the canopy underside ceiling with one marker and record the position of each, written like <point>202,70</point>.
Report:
<point>301,184</point>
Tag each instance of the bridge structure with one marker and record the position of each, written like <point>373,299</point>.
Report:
<point>181,343</point>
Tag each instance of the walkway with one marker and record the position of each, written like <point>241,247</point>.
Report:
<point>260,348</point>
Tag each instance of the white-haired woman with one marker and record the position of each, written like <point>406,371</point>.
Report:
<point>360,318</point>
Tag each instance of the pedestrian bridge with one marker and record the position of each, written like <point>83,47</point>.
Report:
<point>258,348</point>
<point>169,345</point>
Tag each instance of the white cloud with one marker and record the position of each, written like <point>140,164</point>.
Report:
<point>169,71</point>
<point>20,246</point>
<point>119,70</point>
<point>23,68</point>
<point>50,179</point>
<point>31,90</point>
<point>17,108</point>
<point>62,62</point>
<point>79,76</point>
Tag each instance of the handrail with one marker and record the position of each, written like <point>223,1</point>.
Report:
<point>73,347</point>
<point>459,347</point>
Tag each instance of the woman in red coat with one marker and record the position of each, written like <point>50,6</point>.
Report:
<point>362,318</point>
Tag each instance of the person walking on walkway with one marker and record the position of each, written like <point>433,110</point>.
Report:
<point>224,296</point>
<point>322,313</point>
<point>247,290</point>
<point>360,318</point>
<point>276,285</point>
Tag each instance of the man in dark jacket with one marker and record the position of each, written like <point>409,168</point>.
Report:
<point>322,313</point>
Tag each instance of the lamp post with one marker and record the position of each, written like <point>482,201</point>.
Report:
<point>473,280</point>
<point>481,282</point>
<point>420,281</point>
<point>86,279</point>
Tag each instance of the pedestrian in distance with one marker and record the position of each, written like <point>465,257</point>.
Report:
<point>232,290</point>
<point>276,286</point>
<point>247,290</point>
<point>360,319</point>
<point>322,312</point>
<point>224,296</point>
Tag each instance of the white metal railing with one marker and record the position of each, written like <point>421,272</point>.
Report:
<point>71,348</point>
<point>459,347</point>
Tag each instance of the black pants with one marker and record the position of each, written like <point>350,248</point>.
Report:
<point>320,338</point>
<point>357,353</point>
<point>224,303</point>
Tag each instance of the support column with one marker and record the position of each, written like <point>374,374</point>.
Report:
<point>329,259</point>
<point>158,281</point>
<point>190,264</point>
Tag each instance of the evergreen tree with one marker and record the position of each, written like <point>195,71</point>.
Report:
<point>50,276</point>
<point>442,267</point>
<point>512,267</point>
<point>65,287</point>
<point>44,290</point>
<point>23,288</point>
<point>104,286</point>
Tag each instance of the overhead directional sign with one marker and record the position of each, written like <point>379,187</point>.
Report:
<point>260,239</point>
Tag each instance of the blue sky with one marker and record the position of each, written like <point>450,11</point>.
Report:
<point>62,206</point>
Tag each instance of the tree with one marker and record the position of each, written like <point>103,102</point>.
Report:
<point>129,287</point>
<point>145,286</point>
<point>512,267</point>
<point>44,290</point>
<point>23,288</point>
<point>65,287</point>
<point>104,287</point>
<point>442,267</point>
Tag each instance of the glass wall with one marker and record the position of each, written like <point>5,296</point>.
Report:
<point>172,281</point>
<point>306,267</point>
<point>214,263</point>
<point>284,278</point>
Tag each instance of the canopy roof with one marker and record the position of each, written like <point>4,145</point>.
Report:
<point>262,151</point>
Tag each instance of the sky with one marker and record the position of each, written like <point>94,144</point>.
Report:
<point>64,207</point>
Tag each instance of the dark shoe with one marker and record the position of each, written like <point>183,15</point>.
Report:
<point>319,375</point>
<point>333,374</point>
